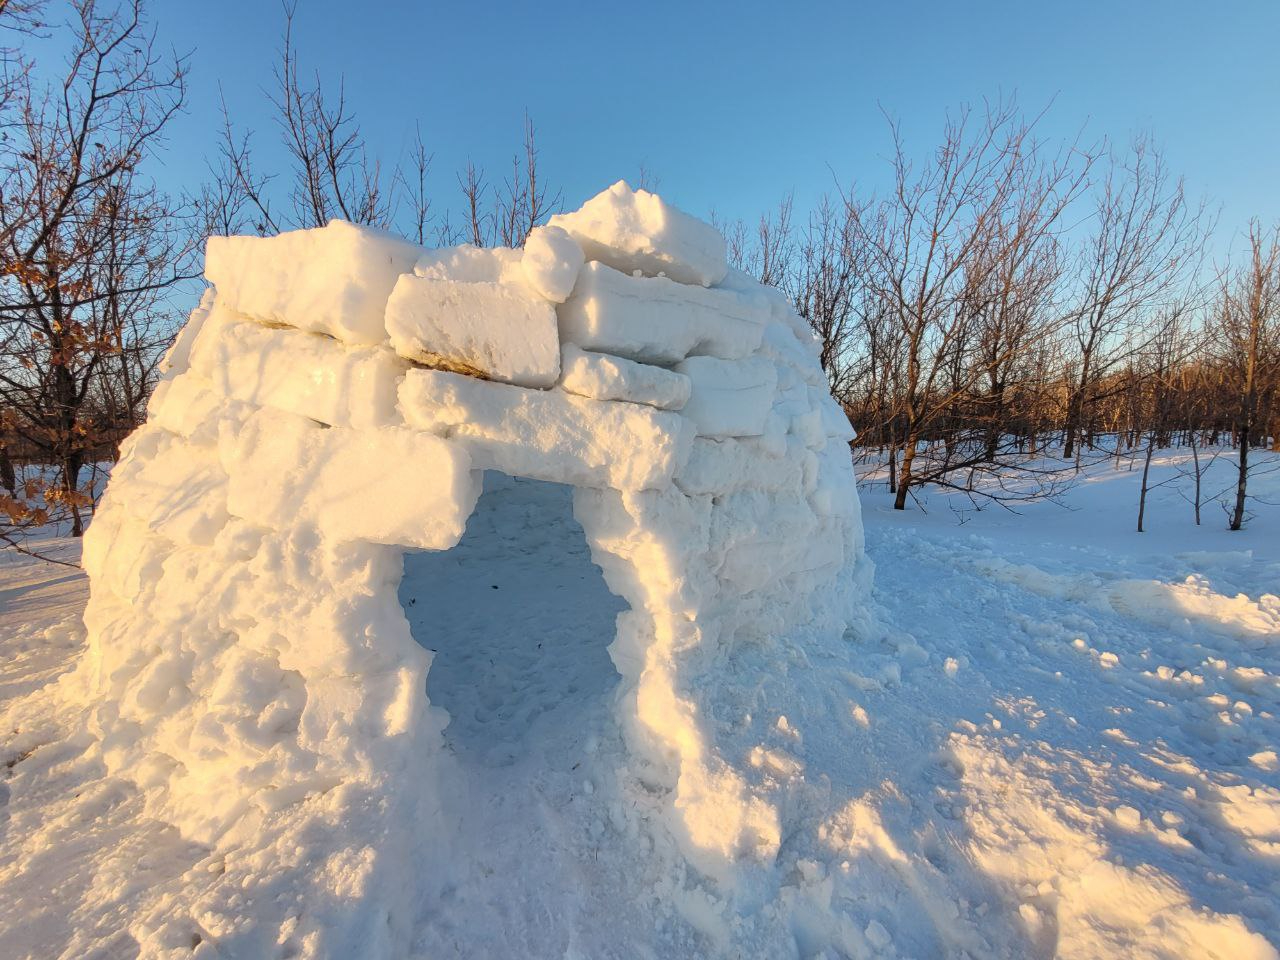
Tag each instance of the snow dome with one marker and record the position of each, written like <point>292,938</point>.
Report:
<point>333,403</point>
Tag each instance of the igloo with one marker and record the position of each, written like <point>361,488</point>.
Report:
<point>331,404</point>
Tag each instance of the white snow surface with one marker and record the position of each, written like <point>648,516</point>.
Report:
<point>655,320</point>
<point>635,230</point>
<point>490,329</point>
<point>382,661</point>
<point>250,686</point>
<point>1056,738</point>
<point>603,377</point>
<point>332,280</point>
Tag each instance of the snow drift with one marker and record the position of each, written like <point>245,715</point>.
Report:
<point>332,403</point>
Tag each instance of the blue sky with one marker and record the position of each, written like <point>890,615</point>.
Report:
<point>732,105</point>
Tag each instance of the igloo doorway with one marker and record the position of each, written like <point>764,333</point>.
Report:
<point>518,619</point>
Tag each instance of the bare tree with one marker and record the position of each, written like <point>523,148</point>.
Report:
<point>1145,243</point>
<point>988,200</point>
<point>90,249</point>
<point>1247,328</point>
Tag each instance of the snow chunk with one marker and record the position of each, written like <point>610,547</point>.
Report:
<point>1128,817</point>
<point>174,490</point>
<point>726,465</point>
<point>483,328</point>
<point>548,435</point>
<point>654,320</point>
<point>835,422</point>
<point>387,485</point>
<point>551,262</point>
<point>780,308</point>
<point>603,377</point>
<point>637,230</point>
<point>334,279</point>
<point>729,399</point>
<point>304,373</point>
<point>471,264</point>
<point>191,407</point>
<point>178,357</point>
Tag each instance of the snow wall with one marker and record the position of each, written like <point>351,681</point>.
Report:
<point>333,402</point>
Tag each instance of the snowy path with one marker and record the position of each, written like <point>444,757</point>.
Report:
<point>1063,748</point>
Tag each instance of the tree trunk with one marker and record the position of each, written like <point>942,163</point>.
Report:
<point>1195,456</point>
<point>71,480</point>
<point>1237,515</point>
<point>904,478</point>
<point>1146,471</point>
<point>7,476</point>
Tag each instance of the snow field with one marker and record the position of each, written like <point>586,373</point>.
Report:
<point>1052,763</point>
<point>249,667</point>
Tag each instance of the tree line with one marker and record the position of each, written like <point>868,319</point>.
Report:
<point>1011,306</point>
<point>1006,308</point>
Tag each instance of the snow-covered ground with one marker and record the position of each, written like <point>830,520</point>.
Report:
<point>1060,741</point>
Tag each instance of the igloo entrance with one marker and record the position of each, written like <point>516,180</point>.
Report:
<point>519,619</point>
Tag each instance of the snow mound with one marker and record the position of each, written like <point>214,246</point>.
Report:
<point>332,403</point>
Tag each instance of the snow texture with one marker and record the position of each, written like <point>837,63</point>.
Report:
<point>637,230</point>
<point>249,667</point>
<point>333,280</point>
<point>1071,753</point>
<point>655,320</point>
<point>602,377</point>
<point>493,330</point>
<point>729,399</point>
<point>551,262</point>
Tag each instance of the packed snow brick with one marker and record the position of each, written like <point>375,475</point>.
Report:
<point>551,262</point>
<point>727,465</point>
<point>547,435</point>
<point>835,422</point>
<point>177,491</point>
<point>334,279</point>
<point>655,320</point>
<point>637,230</point>
<point>177,358</point>
<point>603,377</point>
<point>729,399</point>
<point>190,406</point>
<point>492,330</point>
<point>381,485</point>
<point>467,263</point>
<point>304,373</point>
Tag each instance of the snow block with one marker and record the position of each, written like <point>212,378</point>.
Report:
<point>493,330</point>
<point>178,357</point>
<point>384,485</point>
<point>654,320</point>
<point>176,491</point>
<point>334,279</point>
<point>547,435</point>
<point>835,422</point>
<point>729,399</point>
<point>298,372</point>
<point>551,262</point>
<point>837,491</point>
<point>467,263</point>
<point>727,465</point>
<point>637,230</point>
<point>192,408</point>
<point>602,377</point>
